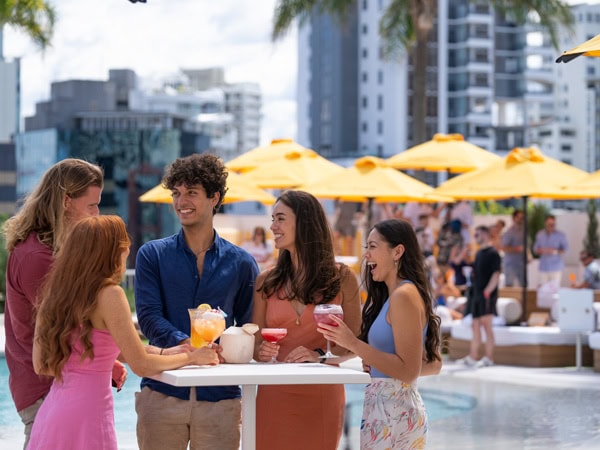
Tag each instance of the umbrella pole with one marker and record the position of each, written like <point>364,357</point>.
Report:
<point>369,214</point>
<point>525,230</point>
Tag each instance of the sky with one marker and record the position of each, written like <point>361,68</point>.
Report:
<point>159,37</point>
<point>156,39</point>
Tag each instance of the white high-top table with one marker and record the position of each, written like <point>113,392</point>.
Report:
<point>249,376</point>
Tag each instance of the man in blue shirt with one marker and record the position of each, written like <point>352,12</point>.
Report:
<point>180,272</point>
<point>550,244</point>
<point>591,276</point>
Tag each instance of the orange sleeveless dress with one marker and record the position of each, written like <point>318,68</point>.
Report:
<point>298,417</point>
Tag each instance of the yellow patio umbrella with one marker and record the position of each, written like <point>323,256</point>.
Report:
<point>588,48</point>
<point>372,180</point>
<point>587,187</point>
<point>524,172</point>
<point>264,154</point>
<point>445,152</point>
<point>295,168</point>
<point>238,190</point>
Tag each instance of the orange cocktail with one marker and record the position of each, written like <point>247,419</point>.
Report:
<point>206,326</point>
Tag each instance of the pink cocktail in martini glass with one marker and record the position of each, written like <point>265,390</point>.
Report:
<point>273,335</point>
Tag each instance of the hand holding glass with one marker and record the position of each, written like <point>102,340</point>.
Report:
<point>321,315</point>
<point>273,335</point>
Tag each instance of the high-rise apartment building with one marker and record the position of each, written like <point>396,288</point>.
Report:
<point>489,79</point>
<point>242,100</point>
<point>10,101</point>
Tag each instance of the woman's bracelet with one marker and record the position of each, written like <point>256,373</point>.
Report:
<point>161,351</point>
<point>321,353</point>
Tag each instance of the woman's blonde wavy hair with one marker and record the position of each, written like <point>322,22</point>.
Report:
<point>89,260</point>
<point>44,209</point>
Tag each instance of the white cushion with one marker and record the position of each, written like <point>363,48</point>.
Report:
<point>594,341</point>
<point>509,308</point>
<point>507,336</point>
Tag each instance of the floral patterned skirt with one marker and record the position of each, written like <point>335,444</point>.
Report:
<point>393,417</point>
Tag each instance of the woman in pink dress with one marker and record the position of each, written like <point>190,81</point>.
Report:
<point>301,416</point>
<point>83,324</point>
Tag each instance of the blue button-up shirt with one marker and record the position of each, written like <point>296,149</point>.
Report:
<point>556,240</point>
<point>167,283</point>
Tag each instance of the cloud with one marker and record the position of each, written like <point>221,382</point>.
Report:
<point>158,38</point>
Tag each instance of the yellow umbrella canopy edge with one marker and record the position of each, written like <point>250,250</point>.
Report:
<point>444,152</point>
<point>294,169</point>
<point>523,172</point>
<point>587,187</point>
<point>371,179</point>
<point>238,190</point>
<point>588,48</point>
<point>263,154</point>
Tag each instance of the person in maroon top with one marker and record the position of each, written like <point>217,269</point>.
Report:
<point>68,191</point>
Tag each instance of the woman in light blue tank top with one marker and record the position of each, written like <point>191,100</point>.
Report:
<point>399,339</point>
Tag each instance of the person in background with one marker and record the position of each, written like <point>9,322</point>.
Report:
<point>83,324</point>
<point>484,289</point>
<point>463,211</point>
<point>399,338</point>
<point>345,225</point>
<point>305,275</point>
<point>258,246</point>
<point>496,234</point>
<point>425,235</point>
<point>591,276</point>
<point>69,191</point>
<point>513,241</point>
<point>182,271</point>
<point>551,245</point>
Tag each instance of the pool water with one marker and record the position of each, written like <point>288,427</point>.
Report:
<point>463,414</point>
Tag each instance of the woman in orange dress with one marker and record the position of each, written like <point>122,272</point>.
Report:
<point>306,274</point>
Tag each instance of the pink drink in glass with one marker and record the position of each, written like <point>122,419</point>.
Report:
<point>273,335</point>
<point>321,315</point>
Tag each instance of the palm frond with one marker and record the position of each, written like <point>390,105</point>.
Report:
<point>34,17</point>
<point>550,14</point>
<point>286,11</point>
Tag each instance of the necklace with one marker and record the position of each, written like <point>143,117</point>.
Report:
<point>298,308</point>
<point>199,252</point>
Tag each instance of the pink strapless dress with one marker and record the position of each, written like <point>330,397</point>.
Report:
<point>78,412</point>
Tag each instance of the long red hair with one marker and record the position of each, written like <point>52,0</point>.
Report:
<point>89,260</point>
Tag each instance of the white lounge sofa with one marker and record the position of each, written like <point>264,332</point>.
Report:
<point>523,346</point>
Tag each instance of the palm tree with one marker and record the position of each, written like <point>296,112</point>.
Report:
<point>406,24</point>
<point>34,17</point>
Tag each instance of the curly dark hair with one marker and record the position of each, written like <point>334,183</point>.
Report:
<point>411,267</point>
<point>317,278</point>
<point>203,169</point>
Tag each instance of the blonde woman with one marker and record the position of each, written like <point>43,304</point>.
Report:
<point>68,191</point>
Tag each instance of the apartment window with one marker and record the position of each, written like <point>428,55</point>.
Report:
<point>380,102</point>
<point>380,76</point>
<point>365,53</point>
<point>365,29</point>
<point>364,127</point>
<point>365,77</point>
<point>380,150</point>
<point>566,148</point>
<point>365,102</point>
<point>365,4</point>
<point>379,127</point>
<point>481,79</point>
